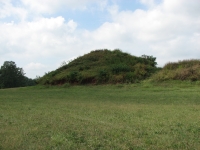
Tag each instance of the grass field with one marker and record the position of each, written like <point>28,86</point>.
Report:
<point>135,117</point>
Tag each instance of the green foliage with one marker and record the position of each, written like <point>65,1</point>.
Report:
<point>13,76</point>
<point>103,76</point>
<point>118,68</point>
<point>29,82</point>
<point>119,78</point>
<point>74,77</point>
<point>131,77</point>
<point>182,70</point>
<point>151,60</point>
<point>103,66</point>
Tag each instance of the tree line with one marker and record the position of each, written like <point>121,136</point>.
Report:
<point>12,76</point>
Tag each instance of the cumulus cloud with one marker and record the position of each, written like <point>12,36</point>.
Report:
<point>8,10</point>
<point>149,3</point>
<point>168,30</point>
<point>39,40</point>
<point>36,35</point>
<point>50,6</point>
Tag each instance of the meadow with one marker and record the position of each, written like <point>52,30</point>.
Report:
<point>124,116</point>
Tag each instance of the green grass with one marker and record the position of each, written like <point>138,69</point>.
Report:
<point>137,116</point>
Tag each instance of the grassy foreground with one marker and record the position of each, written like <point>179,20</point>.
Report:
<point>114,117</point>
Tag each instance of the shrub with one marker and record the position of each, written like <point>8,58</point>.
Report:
<point>103,76</point>
<point>130,77</point>
<point>88,77</point>
<point>74,77</point>
<point>140,71</point>
<point>117,79</point>
<point>118,68</point>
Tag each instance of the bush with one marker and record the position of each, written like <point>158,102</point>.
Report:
<point>118,68</point>
<point>117,79</point>
<point>88,77</point>
<point>74,77</point>
<point>141,71</point>
<point>103,76</point>
<point>130,77</point>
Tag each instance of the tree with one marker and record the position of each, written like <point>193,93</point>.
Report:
<point>151,59</point>
<point>11,75</point>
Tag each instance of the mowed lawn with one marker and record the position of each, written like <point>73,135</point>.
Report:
<point>118,117</point>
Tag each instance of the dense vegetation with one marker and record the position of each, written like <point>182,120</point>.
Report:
<point>13,76</point>
<point>119,117</point>
<point>181,70</point>
<point>103,66</point>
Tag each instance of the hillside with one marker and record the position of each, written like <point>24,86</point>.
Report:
<point>181,70</point>
<point>102,66</point>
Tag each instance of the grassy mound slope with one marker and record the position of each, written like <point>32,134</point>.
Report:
<point>102,66</point>
<point>182,70</point>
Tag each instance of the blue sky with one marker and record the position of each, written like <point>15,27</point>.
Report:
<point>39,35</point>
<point>90,18</point>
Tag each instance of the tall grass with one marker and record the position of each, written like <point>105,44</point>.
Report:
<point>181,70</point>
<point>182,64</point>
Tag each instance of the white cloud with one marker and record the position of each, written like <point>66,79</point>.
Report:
<point>39,40</point>
<point>42,24</point>
<point>149,3</point>
<point>113,10</point>
<point>34,69</point>
<point>50,6</point>
<point>36,35</point>
<point>41,6</point>
<point>167,34</point>
<point>169,31</point>
<point>182,7</point>
<point>35,66</point>
<point>8,10</point>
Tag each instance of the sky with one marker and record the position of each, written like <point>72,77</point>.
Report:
<point>39,35</point>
